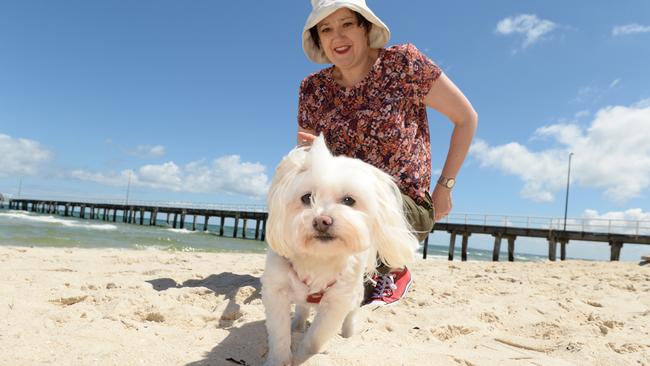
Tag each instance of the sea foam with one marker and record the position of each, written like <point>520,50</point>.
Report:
<point>58,221</point>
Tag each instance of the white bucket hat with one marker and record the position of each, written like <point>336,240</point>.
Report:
<point>321,9</point>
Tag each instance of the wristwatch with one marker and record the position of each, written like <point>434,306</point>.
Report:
<point>447,182</point>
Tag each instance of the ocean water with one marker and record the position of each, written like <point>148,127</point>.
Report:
<point>29,229</point>
<point>21,228</point>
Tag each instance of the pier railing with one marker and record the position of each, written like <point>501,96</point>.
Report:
<point>151,203</point>
<point>597,225</point>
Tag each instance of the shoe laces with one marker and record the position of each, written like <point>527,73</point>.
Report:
<point>384,284</point>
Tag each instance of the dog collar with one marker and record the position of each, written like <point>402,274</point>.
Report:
<point>314,297</point>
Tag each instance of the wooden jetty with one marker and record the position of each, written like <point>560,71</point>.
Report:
<point>553,231</point>
<point>616,233</point>
<point>147,214</point>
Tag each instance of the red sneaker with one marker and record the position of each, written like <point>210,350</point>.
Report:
<point>389,288</point>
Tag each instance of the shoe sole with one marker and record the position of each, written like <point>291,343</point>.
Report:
<point>408,287</point>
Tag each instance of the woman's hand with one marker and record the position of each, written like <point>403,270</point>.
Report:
<point>441,198</point>
<point>305,138</point>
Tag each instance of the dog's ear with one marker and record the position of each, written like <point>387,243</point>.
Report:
<point>394,239</point>
<point>277,197</point>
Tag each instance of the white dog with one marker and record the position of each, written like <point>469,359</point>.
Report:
<point>329,219</point>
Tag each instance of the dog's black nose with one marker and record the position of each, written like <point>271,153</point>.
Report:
<point>322,223</point>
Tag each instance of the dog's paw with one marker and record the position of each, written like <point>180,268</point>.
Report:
<point>348,330</point>
<point>349,324</point>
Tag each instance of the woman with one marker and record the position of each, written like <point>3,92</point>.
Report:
<point>371,105</point>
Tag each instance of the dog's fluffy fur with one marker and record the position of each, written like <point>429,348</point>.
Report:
<point>329,219</point>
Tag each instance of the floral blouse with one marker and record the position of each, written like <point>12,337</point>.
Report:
<point>382,120</point>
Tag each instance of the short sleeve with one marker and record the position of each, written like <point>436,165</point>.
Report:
<point>305,97</point>
<point>422,72</point>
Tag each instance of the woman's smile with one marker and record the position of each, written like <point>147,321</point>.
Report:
<point>342,50</point>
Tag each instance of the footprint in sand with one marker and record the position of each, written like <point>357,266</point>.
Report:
<point>489,317</point>
<point>547,331</point>
<point>604,325</point>
<point>627,347</point>
<point>449,332</point>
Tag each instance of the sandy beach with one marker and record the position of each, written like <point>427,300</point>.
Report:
<point>129,307</point>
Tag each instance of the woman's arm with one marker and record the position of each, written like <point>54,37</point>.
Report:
<point>445,97</point>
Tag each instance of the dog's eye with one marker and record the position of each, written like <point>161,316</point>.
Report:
<point>348,201</point>
<point>306,199</point>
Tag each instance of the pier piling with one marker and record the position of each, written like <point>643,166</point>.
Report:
<point>511,247</point>
<point>463,254</point>
<point>497,248</point>
<point>452,245</point>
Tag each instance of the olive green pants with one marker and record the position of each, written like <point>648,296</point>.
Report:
<point>421,218</point>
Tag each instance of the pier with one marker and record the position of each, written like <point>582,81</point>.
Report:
<point>146,213</point>
<point>504,229</point>
<point>614,232</point>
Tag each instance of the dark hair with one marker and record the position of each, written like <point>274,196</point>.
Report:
<point>361,21</point>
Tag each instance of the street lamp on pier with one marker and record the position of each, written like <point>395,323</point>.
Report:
<point>128,189</point>
<point>568,179</point>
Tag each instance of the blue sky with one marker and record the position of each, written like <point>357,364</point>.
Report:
<point>198,99</point>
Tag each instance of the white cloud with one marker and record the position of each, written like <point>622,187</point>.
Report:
<point>227,174</point>
<point>643,103</point>
<point>516,159</point>
<point>631,221</point>
<point>112,179</point>
<point>593,92</point>
<point>582,113</point>
<point>529,25</point>
<point>148,151</point>
<point>633,214</point>
<point>612,154</point>
<point>589,93</point>
<point>21,156</point>
<point>632,28</point>
<point>167,175</point>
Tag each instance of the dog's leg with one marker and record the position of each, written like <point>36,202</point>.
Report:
<point>327,322</point>
<point>299,323</point>
<point>278,326</point>
<point>350,323</point>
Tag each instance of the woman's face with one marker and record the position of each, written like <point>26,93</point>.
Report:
<point>343,40</point>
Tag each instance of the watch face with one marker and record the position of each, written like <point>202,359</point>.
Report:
<point>450,183</point>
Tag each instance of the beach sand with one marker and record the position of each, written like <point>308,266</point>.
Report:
<point>128,307</point>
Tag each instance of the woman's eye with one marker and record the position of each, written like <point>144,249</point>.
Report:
<point>348,201</point>
<point>306,199</point>
<point>347,24</point>
<point>324,30</point>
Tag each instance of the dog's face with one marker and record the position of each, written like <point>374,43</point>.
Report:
<point>329,206</point>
